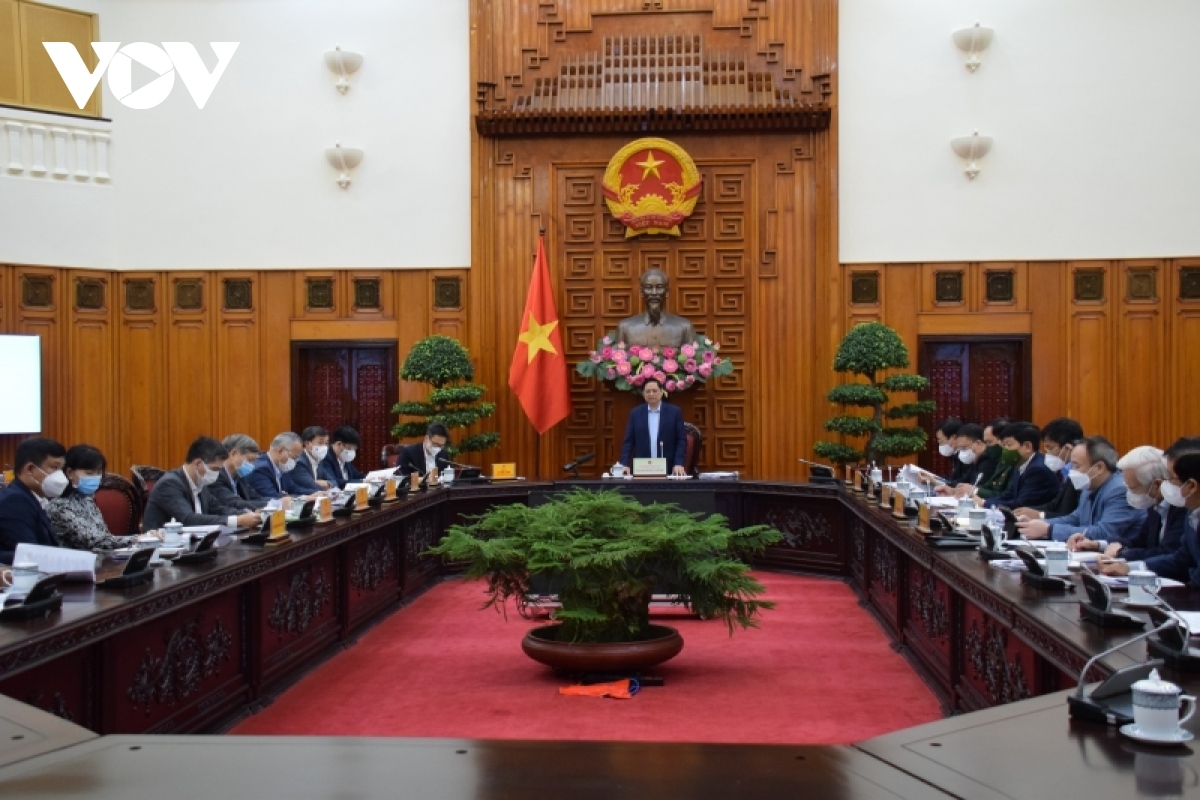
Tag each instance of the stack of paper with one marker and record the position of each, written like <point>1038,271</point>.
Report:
<point>718,476</point>
<point>77,565</point>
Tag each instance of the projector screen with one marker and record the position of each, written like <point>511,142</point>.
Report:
<point>21,400</point>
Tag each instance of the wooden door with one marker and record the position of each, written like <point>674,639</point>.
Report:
<point>347,383</point>
<point>977,380</point>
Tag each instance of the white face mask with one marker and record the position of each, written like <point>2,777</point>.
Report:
<point>208,476</point>
<point>1054,463</point>
<point>1139,501</point>
<point>288,465</point>
<point>946,450</point>
<point>432,450</point>
<point>319,451</point>
<point>348,455</point>
<point>1079,480</point>
<point>54,484</point>
<point>1170,492</point>
<point>966,456</point>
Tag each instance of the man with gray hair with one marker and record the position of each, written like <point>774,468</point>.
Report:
<point>267,476</point>
<point>1162,532</point>
<point>231,486</point>
<point>1103,515</point>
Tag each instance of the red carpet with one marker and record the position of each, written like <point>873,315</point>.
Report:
<point>818,671</point>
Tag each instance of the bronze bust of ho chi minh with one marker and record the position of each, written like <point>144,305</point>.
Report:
<point>655,326</point>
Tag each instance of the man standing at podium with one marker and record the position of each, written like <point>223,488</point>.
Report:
<point>655,430</point>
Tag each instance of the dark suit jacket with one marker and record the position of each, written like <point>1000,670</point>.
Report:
<point>263,480</point>
<point>1152,539</point>
<point>1184,563</point>
<point>171,498</point>
<point>961,473</point>
<point>302,479</point>
<point>412,459</point>
<point>1065,502</point>
<point>637,442</point>
<point>1037,484</point>
<point>329,471</point>
<point>237,493</point>
<point>984,467</point>
<point>22,519</point>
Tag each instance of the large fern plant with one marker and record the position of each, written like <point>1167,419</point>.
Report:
<point>605,553</point>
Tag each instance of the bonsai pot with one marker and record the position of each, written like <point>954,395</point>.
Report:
<point>664,643</point>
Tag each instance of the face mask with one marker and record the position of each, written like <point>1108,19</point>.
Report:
<point>1079,480</point>
<point>966,456</point>
<point>1173,494</point>
<point>433,450</point>
<point>320,451</point>
<point>88,484</point>
<point>209,476</point>
<point>1010,457</point>
<point>288,465</point>
<point>1139,501</point>
<point>54,484</point>
<point>244,469</point>
<point>348,455</point>
<point>1054,463</point>
<point>946,450</point>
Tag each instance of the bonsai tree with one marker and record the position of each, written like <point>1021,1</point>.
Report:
<point>869,349</point>
<point>604,553</point>
<point>444,364</point>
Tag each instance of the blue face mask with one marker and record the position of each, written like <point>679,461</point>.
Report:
<point>88,484</point>
<point>244,469</point>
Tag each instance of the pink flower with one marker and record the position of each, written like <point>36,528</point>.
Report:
<point>637,380</point>
<point>660,377</point>
<point>690,380</point>
<point>688,350</point>
<point>612,374</point>
<point>623,368</point>
<point>716,345</point>
<point>668,352</point>
<point>607,340</point>
<point>670,365</point>
<point>709,355</point>
<point>619,356</point>
<point>716,361</point>
<point>647,354</point>
<point>670,386</point>
<point>690,365</point>
<point>620,345</point>
<point>647,370</point>
<point>595,358</point>
<point>606,353</point>
<point>705,370</point>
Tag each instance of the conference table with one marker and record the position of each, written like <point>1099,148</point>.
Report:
<point>114,689</point>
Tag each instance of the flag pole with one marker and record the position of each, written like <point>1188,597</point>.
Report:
<point>541,238</point>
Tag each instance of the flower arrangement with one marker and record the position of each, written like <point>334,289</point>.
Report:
<point>676,368</point>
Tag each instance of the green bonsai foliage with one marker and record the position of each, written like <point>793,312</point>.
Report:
<point>869,349</point>
<point>444,364</point>
<point>605,553</point>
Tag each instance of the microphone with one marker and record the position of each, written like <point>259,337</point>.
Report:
<point>574,466</point>
<point>457,464</point>
<point>1095,708</point>
<point>1092,661</point>
<point>820,473</point>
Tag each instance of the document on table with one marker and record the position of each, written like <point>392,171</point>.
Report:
<point>718,476</point>
<point>77,565</point>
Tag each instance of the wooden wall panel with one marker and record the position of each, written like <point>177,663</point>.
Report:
<point>142,372</point>
<point>238,365</point>
<point>1179,355</point>
<point>88,362</point>
<point>191,347</point>
<point>1048,303</point>
<point>1139,380</point>
<point>40,307</point>
<point>1090,369</point>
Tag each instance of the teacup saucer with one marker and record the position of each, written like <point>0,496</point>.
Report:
<point>1131,603</point>
<point>1178,737</point>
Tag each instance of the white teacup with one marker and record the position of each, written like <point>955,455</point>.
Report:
<point>22,577</point>
<point>1156,705</point>
<point>1143,587</point>
<point>172,533</point>
<point>618,470</point>
<point>975,519</point>
<point>1058,560</point>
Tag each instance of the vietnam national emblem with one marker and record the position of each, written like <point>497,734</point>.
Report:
<point>651,185</point>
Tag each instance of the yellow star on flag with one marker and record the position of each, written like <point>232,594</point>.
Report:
<point>651,164</point>
<point>537,337</point>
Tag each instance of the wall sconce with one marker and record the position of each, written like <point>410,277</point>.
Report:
<point>971,41</point>
<point>343,159</point>
<point>343,64</point>
<point>972,148</point>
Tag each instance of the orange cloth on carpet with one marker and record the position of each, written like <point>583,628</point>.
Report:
<point>618,690</point>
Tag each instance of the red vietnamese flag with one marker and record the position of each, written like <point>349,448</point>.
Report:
<point>538,373</point>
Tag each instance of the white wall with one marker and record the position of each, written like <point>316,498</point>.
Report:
<point>1094,107</point>
<point>244,182</point>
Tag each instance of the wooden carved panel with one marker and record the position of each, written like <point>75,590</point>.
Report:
<point>367,294</point>
<point>1141,285</point>
<point>812,538</point>
<point>299,614</point>
<point>864,288</point>
<point>90,294</point>
<point>419,534</point>
<point>1000,286</point>
<point>948,287</point>
<point>37,291</point>
<point>997,666</point>
<point>1089,285</point>
<point>1189,283</point>
<point>139,295</point>
<point>189,294</point>
<point>447,294</point>
<point>239,294</point>
<point>318,294</point>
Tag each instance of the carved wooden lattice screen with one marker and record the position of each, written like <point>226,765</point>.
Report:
<point>596,276</point>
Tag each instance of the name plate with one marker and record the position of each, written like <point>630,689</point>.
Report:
<point>923,518</point>
<point>649,467</point>
<point>278,523</point>
<point>389,491</point>
<point>885,496</point>
<point>504,472</point>
<point>849,475</point>
<point>897,505</point>
<point>858,484</point>
<point>361,498</point>
<point>324,509</point>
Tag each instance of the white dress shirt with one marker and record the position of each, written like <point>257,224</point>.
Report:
<point>653,417</point>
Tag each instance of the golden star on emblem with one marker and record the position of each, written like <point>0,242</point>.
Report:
<point>650,165</point>
<point>537,337</point>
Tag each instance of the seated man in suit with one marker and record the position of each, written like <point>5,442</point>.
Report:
<point>655,430</point>
<point>427,455</point>
<point>1058,437</point>
<point>994,481</point>
<point>971,454</point>
<point>338,467</point>
<point>1181,489</point>
<point>38,476</point>
<point>1031,482</point>
<point>304,478</point>
<point>1103,514</point>
<point>947,442</point>
<point>1144,470</point>
<point>231,487</point>
<point>271,466</point>
<point>183,494</point>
